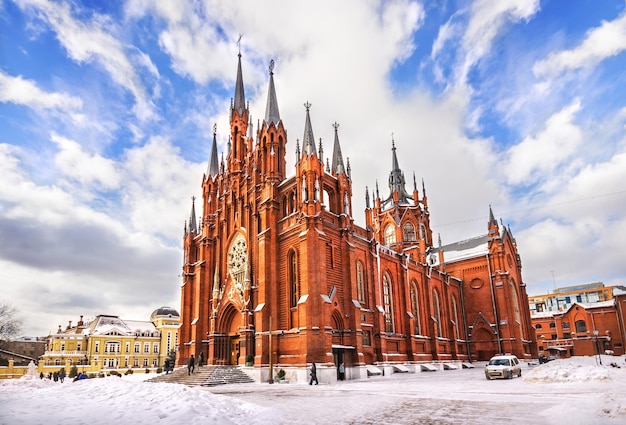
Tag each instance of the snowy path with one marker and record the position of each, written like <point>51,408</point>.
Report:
<point>443,397</point>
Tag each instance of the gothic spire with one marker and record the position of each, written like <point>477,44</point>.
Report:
<point>492,219</point>
<point>308,141</point>
<point>337,166</point>
<point>213,166</point>
<point>240,97</point>
<point>192,217</point>
<point>396,179</point>
<point>271,110</point>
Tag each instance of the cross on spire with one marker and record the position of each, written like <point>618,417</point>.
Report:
<point>239,43</point>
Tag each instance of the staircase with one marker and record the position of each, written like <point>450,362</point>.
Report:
<point>205,376</point>
<point>227,375</point>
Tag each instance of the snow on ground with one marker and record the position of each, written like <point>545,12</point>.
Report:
<point>569,391</point>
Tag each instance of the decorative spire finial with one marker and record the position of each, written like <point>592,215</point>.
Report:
<point>214,129</point>
<point>239,43</point>
<point>272,66</point>
<point>307,105</point>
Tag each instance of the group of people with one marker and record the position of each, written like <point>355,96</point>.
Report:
<point>60,376</point>
<point>192,362</point>
<point>56,375</point>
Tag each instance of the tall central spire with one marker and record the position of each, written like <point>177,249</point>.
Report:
<point>240,97</point>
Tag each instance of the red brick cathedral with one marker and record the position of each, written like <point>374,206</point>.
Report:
<point>276,266</point>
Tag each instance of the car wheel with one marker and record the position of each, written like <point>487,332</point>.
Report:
<point>509,375</point>
<point>519,375</point>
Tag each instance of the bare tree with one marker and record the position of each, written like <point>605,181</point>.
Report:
<point>10,321</point>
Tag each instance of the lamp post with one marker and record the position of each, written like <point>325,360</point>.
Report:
<point>595,334</point>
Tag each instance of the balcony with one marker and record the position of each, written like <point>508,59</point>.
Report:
<point>65,353</point>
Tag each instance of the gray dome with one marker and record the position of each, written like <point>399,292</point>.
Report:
<point>164,311</point>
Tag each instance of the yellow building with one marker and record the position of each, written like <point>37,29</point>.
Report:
<point>109,343</point>
<point>564,298</point>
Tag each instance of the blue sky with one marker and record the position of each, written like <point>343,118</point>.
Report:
<point>107,110</point>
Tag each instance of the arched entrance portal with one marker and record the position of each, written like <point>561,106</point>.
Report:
<point>482,344</point>
<point>341,351</point>
<point>228,343</point>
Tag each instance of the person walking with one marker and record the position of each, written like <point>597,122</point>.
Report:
<point>166,366</point>
<point>201,359</point>
<point>342,372</point>
<point>62,375</point>
<point>191,365</point>
<point>313,374</point>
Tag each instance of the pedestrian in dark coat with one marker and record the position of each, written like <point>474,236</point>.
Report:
<point>166,366</point>
<point>191,365</point>
<point>313,374</point>
<point>62,375</point>
<point>201,359</point>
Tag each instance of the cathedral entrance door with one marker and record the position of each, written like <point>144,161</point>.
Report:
<point>235,346</point>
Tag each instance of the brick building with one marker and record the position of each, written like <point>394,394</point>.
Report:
<point>583,329</point>
<point>275,264</point>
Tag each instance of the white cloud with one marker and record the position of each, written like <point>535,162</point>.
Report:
<point>72,161</point>
<point>68,257</point>
<point>26,92</point>
<point>605,41</point>
<point>93,40</point>
<point>535,157</point>
<point>485,22</point>
<point>158,186</point>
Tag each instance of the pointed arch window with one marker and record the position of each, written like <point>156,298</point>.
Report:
<point>415,309</point>
<point>515,301</point>
<point>437,313</point>
<point>238,262</point>
<point>408,232</point>
<point>581,326</point>
<point>455,317</point>
<point>293,280</point>
<point>388,309</point>
<point>360,284</point>
<point>390,234</point>
<point>422,231</point>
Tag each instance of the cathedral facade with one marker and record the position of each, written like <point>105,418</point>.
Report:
<point>275,271</point>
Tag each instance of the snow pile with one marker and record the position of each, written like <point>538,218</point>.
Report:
<point>103,401</point>
<point>577,369</point>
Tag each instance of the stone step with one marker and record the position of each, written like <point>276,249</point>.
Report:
<point>227,375</point>
<point>206,376</point>
<point>180,376</point>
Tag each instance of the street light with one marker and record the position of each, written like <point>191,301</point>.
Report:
<point>595,334</point>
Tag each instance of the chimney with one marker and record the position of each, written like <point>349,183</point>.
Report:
<point>80,322</point>
<point>69,325</point>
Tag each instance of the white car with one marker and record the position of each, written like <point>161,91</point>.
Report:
<point>503,367</point>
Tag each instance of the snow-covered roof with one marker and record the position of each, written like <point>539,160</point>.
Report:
<point>543,314</point>
<point>599,304</point>
<point>104,324</point>
<point>546,314</point>
<point>468,248</point>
